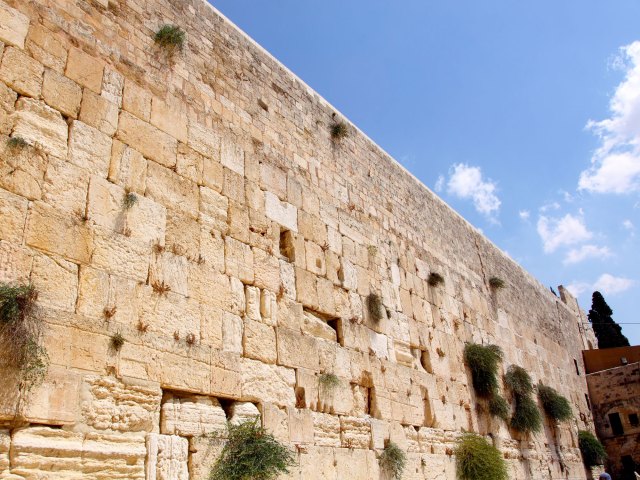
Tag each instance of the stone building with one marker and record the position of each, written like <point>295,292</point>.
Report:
<point>205,251</point>
<point>613,378</point>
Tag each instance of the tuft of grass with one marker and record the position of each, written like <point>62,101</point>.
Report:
<point>33,365</point>
<point>171,37</point>
<point>555,406</point>
<point>526,416</point>
<point>109,312</point>
<point>393,460</point>
<point>477,459</point>
<point>328,381</point>
<point>496,283</point>
<point>483,363</point>
<point>375,307</point>
<point>190,339</point>
<point>518,381</point>
<point>435,279</point>
<point>593,452</point>
<point>17,302</point>
<point>129,200</point>
<point>251,453</point>
<point>499,407</point>
<point>339,130</point>
<point>160,288</point>
<point>17,143</point>
<point>117,341</point>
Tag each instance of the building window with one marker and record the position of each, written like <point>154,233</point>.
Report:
<point>616,423</point>
<point>633,419</point>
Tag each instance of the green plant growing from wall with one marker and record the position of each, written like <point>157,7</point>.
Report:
<point>499,407</point>
<point>129,200</point>
<point>526,417</point>
<point>477,459</point>
<point>339,131</point>
<point>17,143</point>
<point>593,452</point>
<point>170,37</point>
<point>117,341</point>
<point>393,460</point>
<point>435,279</point>
<point>555,406</point>
<point>328,381</point>
<point>20,334</point>
<point>483,362</point>
<point>375,307</point>
<point>496,283</point>
<point>251,453</point>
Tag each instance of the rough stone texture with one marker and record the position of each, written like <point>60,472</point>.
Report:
<point>241,271</point>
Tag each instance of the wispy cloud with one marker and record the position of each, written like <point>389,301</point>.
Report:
<point>564,231</point>
<point>606,283</point>
<point>577,255</point>
<point>467,182</point>
<point>524,214</point>
<point>615,166</point>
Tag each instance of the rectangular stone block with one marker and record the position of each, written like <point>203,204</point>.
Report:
<point>136,100</point>
<point>296,350</point>
<point>99,113</point>
<point>259,341</point>
<point>282,212</point>
<point>149,140</point>
<point>41,125</point>
<point>14,25</point>
<point>128,168</point>
<point>13,211</point>
<point>89,148</point>
<point>85,69</point>
<point>61,93</point>
<point>172,190</point>
<point>21,72</point>
<point>47,47</point>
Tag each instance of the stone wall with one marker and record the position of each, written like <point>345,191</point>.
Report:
<point>240,269</point>
<point>617,391</point>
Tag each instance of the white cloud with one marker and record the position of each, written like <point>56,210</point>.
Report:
<point>610,285</point>
<point>628,225</point>
<point>439,184</point>
<point>524,214</point>
<point>557,232</point>
<point>466,182</point>
<point>615,166</point>
<point>606,283</point>
<point>549,206</point>
<point>577,255</point>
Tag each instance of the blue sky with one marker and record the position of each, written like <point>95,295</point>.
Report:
<point>523,116</point>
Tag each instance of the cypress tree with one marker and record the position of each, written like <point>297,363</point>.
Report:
<point>608,332</point>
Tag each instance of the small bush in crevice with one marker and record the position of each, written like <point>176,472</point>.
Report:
<point>117,341</point>
<point>496,283</point>
<point>518,381</point>
<point>170,37</point>
<point>435,279</point>
<point>17,143</point>
<point>593,452</point>
<point>499,407</point>
<point>339,130</point>
<point>251,453</point>
<point>129,200</point>
<point>526,416</point>
<point>477,459</point>
<point>17,303</point>
<point>483,363</point>
<point>328,381</point>
<point>375,307</point>
<point>393,460</point>
<point>555,406</point>
<point>33,366</point>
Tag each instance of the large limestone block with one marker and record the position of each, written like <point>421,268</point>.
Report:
<point>172,373</point>
<point>14,25</point>
<point>99,113</point>
<point>282,212</point>
<point>240,412</point>
<point>259,341</point>
<point>55,232</point>
<point>269,308</point>
<point>65,187</point>
<point>121,255</point>
<point>119,405</point>
<point>21,170</point>
<point>99,291</point>
<point>136,100</point>
<point>167,457</point>
<point>113,456</point>
<point>128,168</point>
<point>238,260</point>
<point>192,416</point>
<point>326,429</point>
<point>232,155</point>
<point>7,106</point>
<point>267,383</point>
<point>183,235</point>
<point>300,425</point>
<point>213,208</point>
<point>307,288</point>
<point>171,270</point>
<point>5,442</point>
<point>204,141</point>
<point>61,93</point>
<point>355,432</point>
<point>89,148</point>
<point>266,270</point>
<point>85,69</point>
<point>113,86</point>
<point>13,211</point>
<point>204,451</point>
<point>356,464</point>
<point>297,350</point>
<point>252,295</point>
<point>317,463</point>
<point>41,125</point>
<point>21,72</point>
<point>166,313</point>
<point>232,328</point>
<point>149,140</point>
<point>172,190</point>
<point>15,262</point>
<point>168,117</point>
<point>57,282</point>
<point>47,47</point>
<point>317,327</point>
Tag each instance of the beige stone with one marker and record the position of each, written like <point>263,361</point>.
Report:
<point>282,212</point>
<point>89,148</point>
<point>56,281</point>
<point>21,170</point>
<point>85,69</point>
<point>204,141</point>
<point>240,412</point>
<point>167,457</point>
<point>47,48</point>
<point>238,260</point>
<point>61,93</point>
<point>232,156</point>
<point>232,328</point>
<point>21,72</point>
<point>112,86</point>
<point>65,186</point>
<point>99,113</point>
<point>167,117</point>
<point>267,383</point>
<point>259,342</point>
<point>172,190</point>
<point>13,26</point>
<point>15,262</point>
<point>42,126</point>
<point>295,350</point>
<point>192,416</point>
<point>136,100</point>
<point>128,168</point>
<point>13,211</point>
<point>150,141</point>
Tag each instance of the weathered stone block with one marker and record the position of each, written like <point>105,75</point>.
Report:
<point>42,126</point>
<point>168,118</point>
<point>21,72</point>
<point>89,148</point>
<point>128,168</point>
<point>204,141</point>
<point>172,190</point>
<point>13,211</point>
<point>61,93</point>
<point>282,212</point>
<point>14,25</point>
<point>149,140</point>
<point>99,113</point>
<point>259,342</point>
<point>296,350</point>
<point>232,328</point>
<point>85,69</point>
<point>238,260</point>
<point>167,457</point>
<point>267,383</point>
<point>192,416</point>
<point>232,156</point>
<point>47,48</point>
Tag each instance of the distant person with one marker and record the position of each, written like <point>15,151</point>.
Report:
<point>604,476</point>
